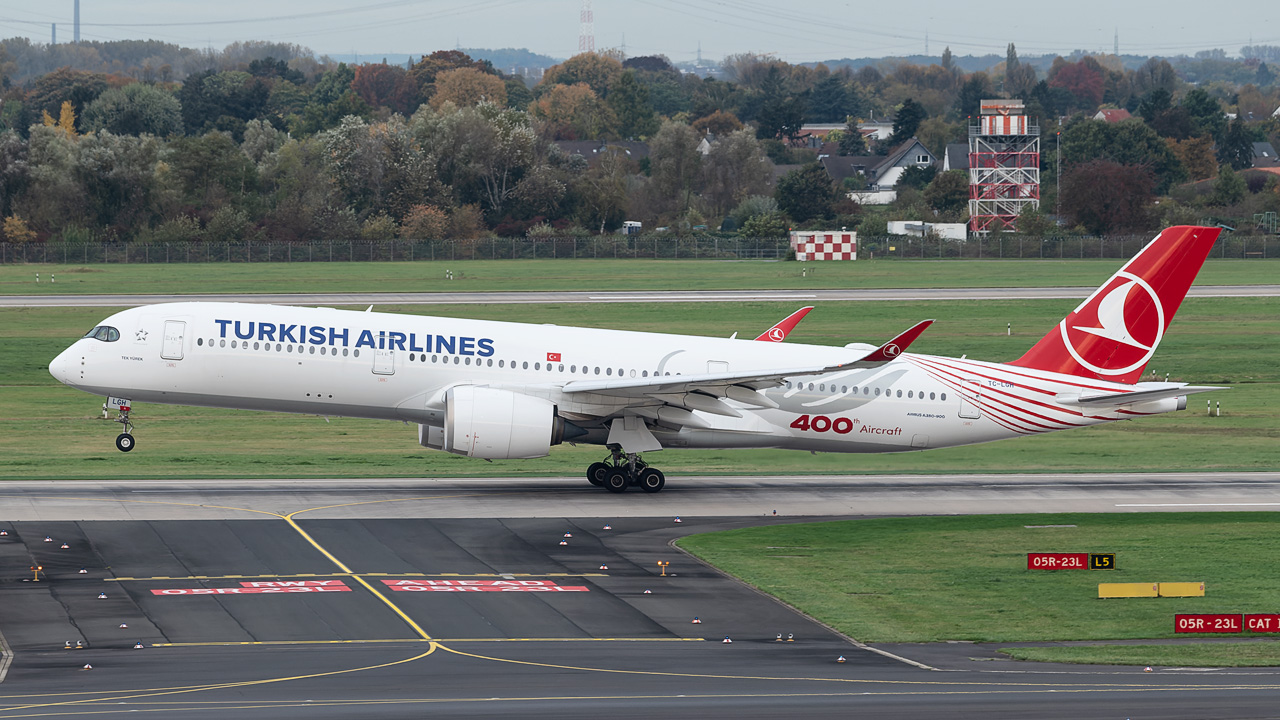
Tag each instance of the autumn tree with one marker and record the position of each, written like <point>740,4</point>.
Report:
<point>1196,156</point>
<point>467,86</point>
<point>429,67</point>
<point>1108,197</point>
<point>719,122</point>
<point>596,71</point>
<point>1083,79</point>
<point>389,86</point>
<point>16,230</point>
<point>575,112</point>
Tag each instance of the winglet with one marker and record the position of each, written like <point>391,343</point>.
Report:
<point>779,332</point>
<point>896,346</point>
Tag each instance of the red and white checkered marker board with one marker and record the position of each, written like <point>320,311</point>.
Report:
<point>825,246</point>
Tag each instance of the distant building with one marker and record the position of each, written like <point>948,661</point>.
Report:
<point>1112,115</point>
<point>881,171</point>
<point>593,150</point>
<point>956,157</point>
<point>1265,158</point>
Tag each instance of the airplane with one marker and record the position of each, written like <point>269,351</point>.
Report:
<point>494,390</point>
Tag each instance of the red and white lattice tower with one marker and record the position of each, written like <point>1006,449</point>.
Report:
<point>586,29</point>
<point>1004,166</point>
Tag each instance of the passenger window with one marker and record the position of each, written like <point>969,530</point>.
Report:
<point>899,393</point>
<point>944,396</point>
<point>877,392</point>
<point>524,365</point>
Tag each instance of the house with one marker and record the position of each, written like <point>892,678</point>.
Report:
<point>1112,115</point>
<point>1265,158</point>
<point>873,130</point>
<point>956,157</point>
<point>704,145</point>
<point>881,171</point>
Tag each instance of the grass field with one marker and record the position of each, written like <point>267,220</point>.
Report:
<point>48,430</point>
<point>931,579</point>
<point>508,275</point>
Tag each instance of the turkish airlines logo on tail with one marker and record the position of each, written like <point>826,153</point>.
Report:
<point>1117,329</point>
<point>777,334</point>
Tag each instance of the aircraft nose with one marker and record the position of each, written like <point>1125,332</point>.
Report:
<point>60,367</point>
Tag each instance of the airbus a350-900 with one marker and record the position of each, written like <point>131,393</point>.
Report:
<point>489,389</point>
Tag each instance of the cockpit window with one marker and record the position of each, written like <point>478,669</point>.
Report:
<point>105,333</point>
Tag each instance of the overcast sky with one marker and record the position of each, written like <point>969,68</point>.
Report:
<point>797,32</point>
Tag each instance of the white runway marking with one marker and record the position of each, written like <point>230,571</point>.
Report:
<point>1242,504</point>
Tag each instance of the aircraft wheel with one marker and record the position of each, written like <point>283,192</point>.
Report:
<point>616,480</point>
<point>124,442</point>
<point>596,472</point>
<point>652,480</point>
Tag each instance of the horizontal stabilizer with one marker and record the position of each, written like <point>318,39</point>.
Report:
<point>1160,391</point>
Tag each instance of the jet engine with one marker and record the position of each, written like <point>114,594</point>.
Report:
<point>495,424</point>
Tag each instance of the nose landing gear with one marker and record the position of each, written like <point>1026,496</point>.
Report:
<point>124,441</point>
<point>621,470</point>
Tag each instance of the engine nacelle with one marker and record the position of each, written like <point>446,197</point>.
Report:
<point>495,424</point>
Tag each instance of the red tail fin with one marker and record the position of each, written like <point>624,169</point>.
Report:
<point>1115,331</point>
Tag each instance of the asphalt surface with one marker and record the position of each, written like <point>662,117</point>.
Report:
<point>489,298</point>
<point>606,649</point>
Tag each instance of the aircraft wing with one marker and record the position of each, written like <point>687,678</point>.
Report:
<point>702,391</point>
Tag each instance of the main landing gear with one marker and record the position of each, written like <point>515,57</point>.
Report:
<point>124,441</point>
<point>621,470</point>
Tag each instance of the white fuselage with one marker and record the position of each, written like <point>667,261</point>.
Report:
<point>398,367</point>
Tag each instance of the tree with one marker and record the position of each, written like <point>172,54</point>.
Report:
<point>735,168</point>
<point>17,231</point>
<point>1228,189</point>
<point>210,169</point>
<point>135,109</point>
<point>948,194</point>
<point>425,72</point>
<point>1019,79</point>
<point>630,103</point>
<point>1130,142</point>
<point>575,112</point>
<point>717,123</point>
<point>52,89</point>
<point>764,225</point>
<point>222,101</point>
<point>467,86</point>
<point>852,142</point>
<point>829,101</point>
<point>916,177</point>
<point>1108,197</point>
<point>1236,147</point>
<point>1083,79</point>
<point>389,86</point>
<point>518,94</point>
<point>807,193</point>
<point>907,121</point>
<point>781,113</point>
<point>1196,156</point>
<point>969,98</point>
<point>381,169</point>
<point>424,222</point>
<point>948,63</point>
<point>674,165</point>
<point>596,71</point>
<point>1206,114</point>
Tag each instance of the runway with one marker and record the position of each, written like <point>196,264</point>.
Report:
<point>205,574</point>
<point>490,298</point>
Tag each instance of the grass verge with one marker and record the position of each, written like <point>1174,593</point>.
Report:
<point>1244,654</point>
<point>584,274</point>
<point>931,579</point>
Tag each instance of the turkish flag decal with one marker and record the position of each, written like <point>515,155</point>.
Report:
<point>553,357</point>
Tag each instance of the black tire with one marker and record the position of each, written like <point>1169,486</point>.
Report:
<point>652,480</point>
<point>596,472</point>
<point>124,442</point>
<point>616,480</point>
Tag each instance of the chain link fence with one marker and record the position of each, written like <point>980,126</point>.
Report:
<point>650,247</point>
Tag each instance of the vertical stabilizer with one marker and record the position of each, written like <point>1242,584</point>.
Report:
<point>1115,331</point>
